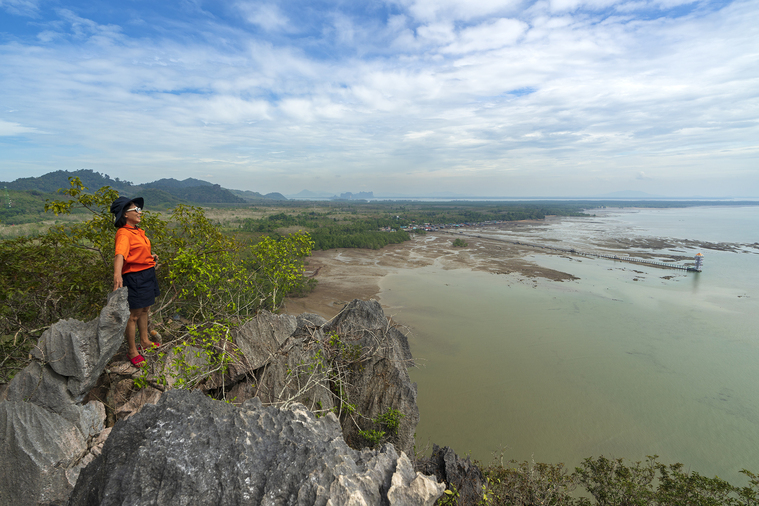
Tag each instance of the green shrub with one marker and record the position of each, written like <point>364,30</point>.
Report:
<point>610,482</point>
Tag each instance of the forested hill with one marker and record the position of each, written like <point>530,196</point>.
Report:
<point>24,198</point>
<point>52,181</point>
<point>164,192</point>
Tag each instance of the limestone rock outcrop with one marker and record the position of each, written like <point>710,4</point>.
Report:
<point>381,381</point>
<point>49,434</point>
<point>355,365</point>
<point>80,351</point>
<point>350,372</point>
<point>190,449</point>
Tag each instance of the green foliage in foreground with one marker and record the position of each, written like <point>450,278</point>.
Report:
<point>607,482</point>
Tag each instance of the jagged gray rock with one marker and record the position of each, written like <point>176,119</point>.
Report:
<point>190,449</point>
<point>297,373</point>
<point>295,360</point>
<point>48,430</point>
<point>44,426</point>
<point>261,337</point>
<point>42,386</point>
<point>39,455</point>
<point>459,473</point>
<point>270,348</point>
<point>79,350</point>
<point>382,381</point>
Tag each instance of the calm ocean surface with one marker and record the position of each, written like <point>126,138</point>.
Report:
<point>622,362</point>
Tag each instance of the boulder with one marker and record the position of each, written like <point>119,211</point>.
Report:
<point>190,449</point>
<point>137,400</point>
<point>80,351</point>
<point>260,338</point>
<point>356,364</point>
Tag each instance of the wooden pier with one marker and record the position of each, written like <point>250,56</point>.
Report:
<point>572,251</point>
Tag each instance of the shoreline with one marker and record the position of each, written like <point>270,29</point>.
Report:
<point>351,273</point>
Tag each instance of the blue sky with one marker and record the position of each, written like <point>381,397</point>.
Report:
<point>493,97</point>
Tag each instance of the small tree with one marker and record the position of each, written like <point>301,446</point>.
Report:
<point>279,266</point>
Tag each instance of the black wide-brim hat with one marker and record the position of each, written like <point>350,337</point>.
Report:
<point>119,206</point>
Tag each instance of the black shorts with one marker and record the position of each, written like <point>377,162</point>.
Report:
<point>142,287</point>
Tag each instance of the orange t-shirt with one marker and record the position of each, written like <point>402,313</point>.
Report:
<point>134,245</point>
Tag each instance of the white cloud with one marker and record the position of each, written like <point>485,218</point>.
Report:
<point>571,5</point>
<point>568,94</point>
<point>436,33</point>
<point>619,5</point>
<point>486,36</point>
<point>232,110</point>
<point>84,28</point>
<point>267,16</point>
<point>29,8</point>
<point>413,136</point>
<point>435,10</point>
<point>344,29</point>
<point>8,129</point>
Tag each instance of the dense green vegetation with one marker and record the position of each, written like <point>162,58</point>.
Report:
<point>23,206</point>
<point>29,206</point>
<point>205,274</point>
<point>606,482</point>
<point>328,233</point>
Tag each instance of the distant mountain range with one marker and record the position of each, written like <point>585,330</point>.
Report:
<point>162,193</point>
<point>629,194</point>
<point>310,195</point>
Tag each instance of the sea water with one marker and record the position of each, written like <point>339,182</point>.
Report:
<point>627,361</point>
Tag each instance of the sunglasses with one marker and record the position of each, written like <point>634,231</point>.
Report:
<point>138,209</point>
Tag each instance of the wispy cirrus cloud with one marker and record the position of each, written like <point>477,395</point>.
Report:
<point>8,128</point>
<point>436,10</point>
<point>265,15</point>
<point>28,8</point>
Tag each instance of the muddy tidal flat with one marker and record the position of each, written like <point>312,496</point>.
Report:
<point>347,274</point>
<point>545,354</point>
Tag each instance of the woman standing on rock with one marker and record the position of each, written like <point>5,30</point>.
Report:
<point>134,267</point>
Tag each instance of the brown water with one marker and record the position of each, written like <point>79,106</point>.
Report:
<point>619,363</point>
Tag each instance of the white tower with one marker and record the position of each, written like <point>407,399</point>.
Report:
<point>699,261</point>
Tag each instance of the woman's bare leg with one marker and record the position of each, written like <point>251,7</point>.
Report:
<point>142,324</point>
<point>138,318</point>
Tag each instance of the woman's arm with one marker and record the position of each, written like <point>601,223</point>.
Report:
<point>118,265</point>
